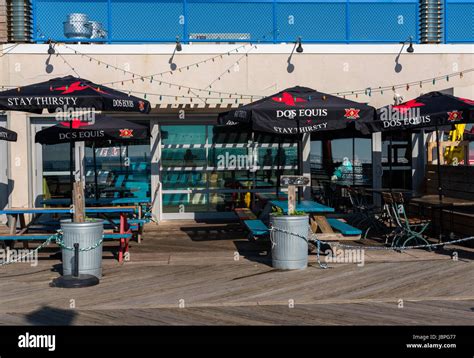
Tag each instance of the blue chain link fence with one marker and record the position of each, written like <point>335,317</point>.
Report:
<point>459,21</point>
<point>266,21</point>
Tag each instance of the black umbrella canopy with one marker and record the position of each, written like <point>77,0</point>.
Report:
<point>8,135</point>
<point>299,110</point>
<point>60,94</point>
<point>434,109</point>
<point>103,128</point>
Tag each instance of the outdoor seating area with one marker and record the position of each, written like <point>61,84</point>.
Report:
<point>45,222</point>
<point>272,203</point>
<point>220,179</point>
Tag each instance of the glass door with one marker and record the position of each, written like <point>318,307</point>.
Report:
<point>114,171</point>
<point>397,160</point>
<point>52,168</point>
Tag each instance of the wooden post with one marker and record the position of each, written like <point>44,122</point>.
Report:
<point>78,201</point>
<point>293,181</point>
<point>291,199</point>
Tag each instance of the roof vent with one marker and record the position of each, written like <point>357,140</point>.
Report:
<point>431,21</point>
<point>19,20</point>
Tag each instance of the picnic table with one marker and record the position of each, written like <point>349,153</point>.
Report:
<point>17,216</point>
<point>308,206</point>
<point>139,203</point>
<point>320,224</point>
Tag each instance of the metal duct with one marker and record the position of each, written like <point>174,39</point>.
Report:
<point>19,14</point>
<point>431,21</point>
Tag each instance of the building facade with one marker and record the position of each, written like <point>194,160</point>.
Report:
<point>191,167</point>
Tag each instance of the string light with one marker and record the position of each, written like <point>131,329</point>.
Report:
<point>367,91</point>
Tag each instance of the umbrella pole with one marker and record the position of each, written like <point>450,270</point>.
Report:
<point>96,181</point>
<point>440,188</point>
<point>300,155</point>
<point>353,161</point>
<point>389,157</point>
<point>279,172</point>
<point>71,159</point>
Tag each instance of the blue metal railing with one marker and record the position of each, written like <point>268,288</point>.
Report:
<point>266,21</point>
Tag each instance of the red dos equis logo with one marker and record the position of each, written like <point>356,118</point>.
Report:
<point>352,113</point>
<point>454,116</point>
<point>126,133</point>
<point>75,87</point>
<point>288,99</point>
<point>75,123</point>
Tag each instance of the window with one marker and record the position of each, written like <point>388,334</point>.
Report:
<point>344,161</point>
<point>210,168</point>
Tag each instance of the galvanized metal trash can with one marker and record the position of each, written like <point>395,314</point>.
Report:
<point>289,252</point>
<point>87,235</point>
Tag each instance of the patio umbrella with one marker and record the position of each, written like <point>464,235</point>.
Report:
<point>8,135</point>
<point>69,92</point>
<point>299,110</point>
<point>429,111</point>
<point>102,129</point>
<point>64,95</point>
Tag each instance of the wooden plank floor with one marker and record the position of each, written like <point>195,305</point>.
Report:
<point>198,273</point>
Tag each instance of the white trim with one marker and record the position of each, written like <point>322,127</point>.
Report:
<point>253,168</point>
<point>229,146</point>
<point>199,48</point>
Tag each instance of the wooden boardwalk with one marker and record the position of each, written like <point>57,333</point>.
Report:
<point>193,273</point>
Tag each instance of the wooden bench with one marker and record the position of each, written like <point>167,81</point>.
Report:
<point>123,228</point>
<point>344,228</point>
<point>257,229</point>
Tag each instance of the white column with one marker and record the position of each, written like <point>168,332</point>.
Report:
<point>377,169</point>
<point>155,153</point>
<point>418,161</point>
<point>306,162</point>
<point>19,160</point>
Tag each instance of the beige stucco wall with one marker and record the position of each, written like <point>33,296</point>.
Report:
<point>263,71</point>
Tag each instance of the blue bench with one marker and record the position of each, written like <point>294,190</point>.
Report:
<point>257,229</point>
<point>40,237</point>
<point>344,228</point>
